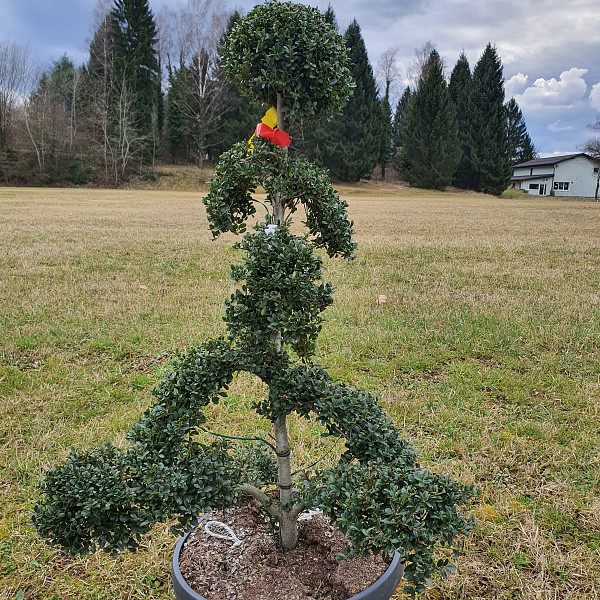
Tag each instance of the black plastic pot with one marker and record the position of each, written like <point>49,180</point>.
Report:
<point>382,589</point>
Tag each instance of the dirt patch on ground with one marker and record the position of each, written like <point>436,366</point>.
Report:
<point>257,570</point>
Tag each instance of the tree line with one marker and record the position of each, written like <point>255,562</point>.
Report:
<point>153,90</point>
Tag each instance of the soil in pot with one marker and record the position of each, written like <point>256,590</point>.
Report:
<point>257,570</point>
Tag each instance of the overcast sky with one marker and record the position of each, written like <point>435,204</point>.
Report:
<point>550,49</point>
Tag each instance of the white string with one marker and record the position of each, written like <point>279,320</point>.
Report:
<point>231,537</point>
<point>309,514</point>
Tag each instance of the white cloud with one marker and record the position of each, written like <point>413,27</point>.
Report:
<point>570,88</point>
<point>595,96</point>
<point>556,126</point>
<point>516,84</point>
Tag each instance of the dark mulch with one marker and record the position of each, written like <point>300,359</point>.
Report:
<point>257,570</point>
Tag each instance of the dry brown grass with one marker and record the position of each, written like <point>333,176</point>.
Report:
<point>487,352</point>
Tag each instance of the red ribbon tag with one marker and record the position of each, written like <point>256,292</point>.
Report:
<point>281,138</point>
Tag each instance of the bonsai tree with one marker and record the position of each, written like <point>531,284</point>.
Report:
<point>287,56</point>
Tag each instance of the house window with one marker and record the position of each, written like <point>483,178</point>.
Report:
<point>561,185</point>
<point>534,186</point>
<point>596,169</point>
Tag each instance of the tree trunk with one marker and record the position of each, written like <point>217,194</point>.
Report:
<point>288,522</point>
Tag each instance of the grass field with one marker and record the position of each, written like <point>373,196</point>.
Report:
<point>487,352</point>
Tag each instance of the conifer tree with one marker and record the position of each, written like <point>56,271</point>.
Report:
<point>460,93</point>
<point>349,145</point>
<point>430,135</point>
<point>400,113</point>
<point>176,113</point>
<point>98,94</point>
<point>520,146</point>
<point>425,59</point>
<point>386,151</point>
<point>135,60</point>
<point>491,160</point>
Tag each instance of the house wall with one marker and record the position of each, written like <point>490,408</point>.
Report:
<point>535,191</point>
<point>579,173</point>
<point>542,171</point>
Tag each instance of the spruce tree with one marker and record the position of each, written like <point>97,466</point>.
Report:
<point>491,160</point>
<point>520,146</point>
<point>400,113</point>
<point>460,94</point>
<point>386,150</point>
<point>349,145</point>
<point>178,130</point>
<point>135,61</point>
<point>430,150</point>
<point>402,110</point>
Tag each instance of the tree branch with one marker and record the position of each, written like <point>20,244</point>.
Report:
<point>261,497</point>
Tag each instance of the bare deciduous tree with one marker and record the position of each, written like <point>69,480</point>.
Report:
<point>17,68</point>
<point>592,149</point>
<point>425,59</point>
<point>191,36</point>
<point>388,70</point>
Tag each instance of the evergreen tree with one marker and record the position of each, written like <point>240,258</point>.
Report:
<point>386,150</point>
<point>177,114</point>
<point>491,160</point>
<point>426,58</point>
<point>402,109</point>
<point>349,145</point>
<point>329,16</point>
<point>520,146</point>
<point>97,97</point>
<point>135,60</point>
<point>400,113</point>
<point>430,152</point>
<point>460,93</point>
<point>62,76</point>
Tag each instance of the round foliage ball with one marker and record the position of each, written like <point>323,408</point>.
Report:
<point>290,49</point>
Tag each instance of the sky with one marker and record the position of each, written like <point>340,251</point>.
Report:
<point>550,49</point>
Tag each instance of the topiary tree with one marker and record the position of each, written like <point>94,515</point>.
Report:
<point>288,55</point>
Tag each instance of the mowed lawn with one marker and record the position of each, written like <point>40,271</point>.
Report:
<point>486,352</point>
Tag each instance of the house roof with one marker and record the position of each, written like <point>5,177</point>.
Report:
<point>548,160</point>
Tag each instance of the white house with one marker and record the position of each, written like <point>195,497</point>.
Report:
<point>568,175</point>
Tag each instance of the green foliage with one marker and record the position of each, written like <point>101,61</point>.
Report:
<point>60,82</point>
<point>430,135</point>
<point>400,114</point>
<point>77,175</point>
<point>296,181</point>
<point>520,146</point>
<point>460,93</point>
<point>256,464</point>
<point>165,472</point>
<point>386,150</point>
<point>491,161</point>
<point>349,145</point>
<point>383,507</point>
<point>279,294</point>
<point>290,49</point>
<point>135,62</point>
<point>178,128</point>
